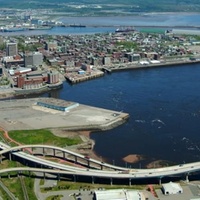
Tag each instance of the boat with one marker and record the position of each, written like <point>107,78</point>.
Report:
<point>14,29</point>
<point>122,30</point>
<point>77,25</point>
<point>39,28</point>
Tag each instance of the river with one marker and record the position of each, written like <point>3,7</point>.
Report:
<point>164,108</point>
<point>163,103</point>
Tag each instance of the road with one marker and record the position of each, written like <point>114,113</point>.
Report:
<point>116,172</point>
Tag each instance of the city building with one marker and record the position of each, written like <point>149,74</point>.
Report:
<point>106,61</point>
<point>33,59</point>
<point>51,46</point>
<point>11,49</point>
<point>1,71</point>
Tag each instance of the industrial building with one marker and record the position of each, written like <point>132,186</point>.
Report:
<point>53,77</point>
<point>172,188</point>
<point>57,106</point>
<point>118,194</point>
<point>32,80</point>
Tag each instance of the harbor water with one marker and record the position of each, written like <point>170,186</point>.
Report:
<point>163,103</point>
<point>164,108</point>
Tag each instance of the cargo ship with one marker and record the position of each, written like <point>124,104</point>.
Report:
<point>122,30</point>
<point>39,28</point>
<point>12,29</point>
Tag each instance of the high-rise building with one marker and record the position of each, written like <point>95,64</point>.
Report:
<point>28,59</point>
<point>11,49</point>
<point>37,59</point>
<point>33,59</point>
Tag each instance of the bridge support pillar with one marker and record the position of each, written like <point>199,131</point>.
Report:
<point>88,164</point>
<point>74,178</point>
<point>58,177</point>
<point>92,180</point>
<point>44,175</point>
<point>187,178</point>
<point>54,152</point>
<point>75,159</point>
<point>111,181</point>
<point>8,175</point>
<point>160,181</point>
<point>130,182</point>
<point>63,154</point>
<point>101,167</point>
<point>43,151</point>
<point>0,158</point>
<point>10,156</point>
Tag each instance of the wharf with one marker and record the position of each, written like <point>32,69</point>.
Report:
<point>26,114</point>
<point>129,66</point>
<point>76,78</point>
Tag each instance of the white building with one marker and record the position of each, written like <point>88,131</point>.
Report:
<point>118,194</point>
<point>171,188</point>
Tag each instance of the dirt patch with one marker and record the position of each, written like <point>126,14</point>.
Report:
<point>132,158</point>
<point>85,148</point>
<point>64,133</point>
<point>158,164</point>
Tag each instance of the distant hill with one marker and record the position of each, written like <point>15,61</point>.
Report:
<point>106,6</point>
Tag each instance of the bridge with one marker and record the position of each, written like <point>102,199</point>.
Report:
<point>93,168</point>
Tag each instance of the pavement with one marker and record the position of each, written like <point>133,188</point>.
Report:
<point>24,114</point>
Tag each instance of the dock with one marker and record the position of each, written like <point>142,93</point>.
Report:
<point>42,113</point>
<point>77,78</point>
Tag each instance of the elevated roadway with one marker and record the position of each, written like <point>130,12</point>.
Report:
<point>115,173</point>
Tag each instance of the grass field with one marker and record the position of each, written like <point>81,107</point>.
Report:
<point>42,136</point>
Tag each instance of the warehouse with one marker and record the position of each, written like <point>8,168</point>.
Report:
<point>172,188</point>
<point>118,194</point>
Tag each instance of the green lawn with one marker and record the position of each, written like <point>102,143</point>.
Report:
<point>42,136</point>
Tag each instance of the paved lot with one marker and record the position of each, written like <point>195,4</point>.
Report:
<point>24,114</point>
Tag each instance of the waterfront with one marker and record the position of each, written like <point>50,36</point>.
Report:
<point>107,24</point>
<point>163,104</point>
<point>164,108</point>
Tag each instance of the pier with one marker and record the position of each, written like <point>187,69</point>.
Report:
<point>76,78</point>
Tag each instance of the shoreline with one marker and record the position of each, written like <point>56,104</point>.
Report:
<point>10,92</point>
<point>132,66</point>
<point>128,159</point>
